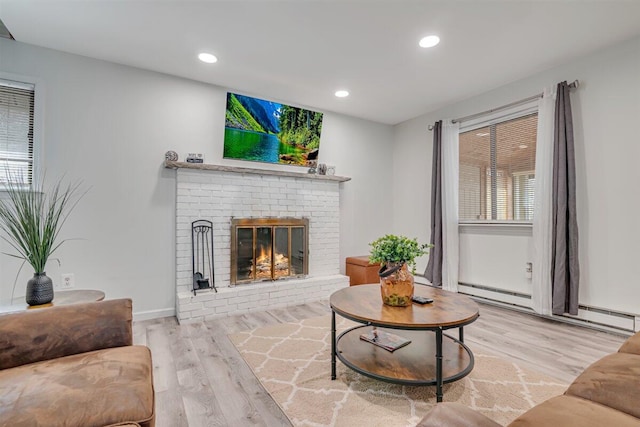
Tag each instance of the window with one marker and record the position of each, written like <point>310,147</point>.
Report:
<point>16,132</point>
<point>497,171</point>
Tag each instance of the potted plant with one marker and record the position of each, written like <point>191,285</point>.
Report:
<point>31,220</point>
<point>395,254</point>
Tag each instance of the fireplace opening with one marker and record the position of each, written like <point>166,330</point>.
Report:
<point>268,249</point>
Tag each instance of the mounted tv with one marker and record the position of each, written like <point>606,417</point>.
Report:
<point>266,131</point>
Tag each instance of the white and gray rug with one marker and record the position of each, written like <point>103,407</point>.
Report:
<point>292,361</point>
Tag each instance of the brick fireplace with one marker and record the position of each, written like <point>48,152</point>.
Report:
<point>228,195</point>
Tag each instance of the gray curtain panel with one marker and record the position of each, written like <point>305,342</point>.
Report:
<point>433,271</point>
<point>565,268</point>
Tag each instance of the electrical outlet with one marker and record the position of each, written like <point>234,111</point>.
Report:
<point>68,281</point>
<point>528,271</point>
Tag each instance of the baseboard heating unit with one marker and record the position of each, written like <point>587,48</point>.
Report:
<point>594,317</point>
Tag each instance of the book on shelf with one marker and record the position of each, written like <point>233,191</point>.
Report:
<point>386,340</point>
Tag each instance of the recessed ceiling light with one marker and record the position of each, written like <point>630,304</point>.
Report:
<point>342,93</point>
<point>482,134</point>
<point>523,146</point>
<point>208,58</point>
<point>429,41</point>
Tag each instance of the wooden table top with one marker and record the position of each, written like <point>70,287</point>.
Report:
<point>73,296</point>
<point>364,304</point>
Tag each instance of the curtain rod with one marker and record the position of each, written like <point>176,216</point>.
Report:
<point>574,85</point>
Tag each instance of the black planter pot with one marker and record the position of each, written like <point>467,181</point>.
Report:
<point>39,289</point>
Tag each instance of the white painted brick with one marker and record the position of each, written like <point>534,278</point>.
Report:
<point>216,303</point>
<point>247,305</point>
<point>278,294</point>
<point>218,196</point>
<point>226,309</point>
<point>191,307</point>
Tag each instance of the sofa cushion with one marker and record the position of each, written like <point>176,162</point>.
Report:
<point>35,335</point>
<point>632,345</point>
<point>568,411</point>
<point>90,389</point>
<point>613,381</point>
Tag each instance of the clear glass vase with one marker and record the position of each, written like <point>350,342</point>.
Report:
<point>397,288</point>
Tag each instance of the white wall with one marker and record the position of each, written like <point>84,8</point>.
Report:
<point>362,150</point>
<point>110,125</point>
<point>606,109</point>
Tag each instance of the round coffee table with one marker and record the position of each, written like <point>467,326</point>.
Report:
<point>414,363</point>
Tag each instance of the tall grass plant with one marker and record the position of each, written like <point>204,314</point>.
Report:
<point>31,219</point>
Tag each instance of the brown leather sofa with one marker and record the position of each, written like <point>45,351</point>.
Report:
<point>74,365</point>
<point>607,393</point>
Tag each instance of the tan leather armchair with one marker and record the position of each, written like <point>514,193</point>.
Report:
<point>74,365</point>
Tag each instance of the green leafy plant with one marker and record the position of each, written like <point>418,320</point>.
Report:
<point>32,218</point>
<point>397,249</point>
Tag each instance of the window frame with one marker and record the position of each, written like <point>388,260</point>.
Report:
<point>38,120</point>
<point>494,118</point>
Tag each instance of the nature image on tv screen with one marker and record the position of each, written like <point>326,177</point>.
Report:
<point>265,131</point>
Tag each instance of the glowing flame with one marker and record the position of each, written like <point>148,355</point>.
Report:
<point>264,267</point>
<point>264,257</point>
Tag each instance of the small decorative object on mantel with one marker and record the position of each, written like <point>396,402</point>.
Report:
<point>394,253</point>
<point>195,158</point>
<point>312,170</point>
<point>172,156</point>
<point>322,169</point>
<point>32,217</point>
<point>202,255</point>
<point>331,170</point>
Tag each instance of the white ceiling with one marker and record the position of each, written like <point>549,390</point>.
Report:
<point>301,52</point>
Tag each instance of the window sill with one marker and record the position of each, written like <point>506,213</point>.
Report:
<point>497,228</point>
<point>516,224</point>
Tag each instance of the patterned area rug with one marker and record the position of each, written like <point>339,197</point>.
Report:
<point>293,363</point>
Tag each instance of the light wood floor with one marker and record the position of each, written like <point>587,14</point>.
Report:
<point>201,380</point>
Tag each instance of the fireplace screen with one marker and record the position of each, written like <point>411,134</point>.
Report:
<point>268,249</point>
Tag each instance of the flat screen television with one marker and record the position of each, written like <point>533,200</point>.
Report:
<point>265,131</point>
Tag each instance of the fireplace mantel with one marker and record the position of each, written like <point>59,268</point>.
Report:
<point>209,167</point>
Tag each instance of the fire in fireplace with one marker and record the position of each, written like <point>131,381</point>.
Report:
<point>268,249</point>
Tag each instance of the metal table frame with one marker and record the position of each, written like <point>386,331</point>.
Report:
<point>439,334</point>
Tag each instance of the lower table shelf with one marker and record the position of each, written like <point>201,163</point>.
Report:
<point>414,364</point>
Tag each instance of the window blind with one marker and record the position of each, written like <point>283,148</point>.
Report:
<point>16,132</point>
<point>497,171</point>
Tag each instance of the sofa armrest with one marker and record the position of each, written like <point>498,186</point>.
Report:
<point>451,414</point>
<point>48,333</point>
<point>631,345</point>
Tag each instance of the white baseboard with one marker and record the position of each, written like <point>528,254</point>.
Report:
<point>154,314</point>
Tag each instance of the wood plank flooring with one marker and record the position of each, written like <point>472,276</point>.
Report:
<point>201,380</point>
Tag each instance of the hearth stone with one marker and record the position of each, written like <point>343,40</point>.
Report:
<point>256,297</point>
